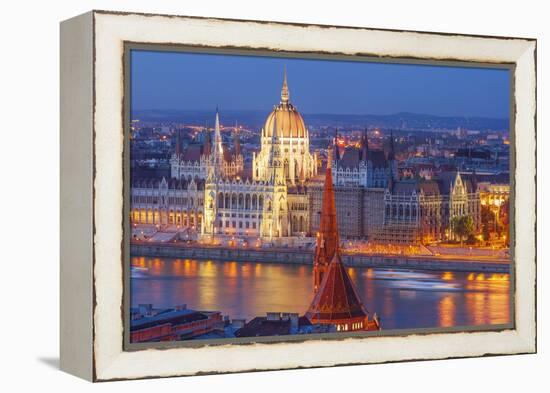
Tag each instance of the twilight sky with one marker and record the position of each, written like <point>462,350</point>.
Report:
<point>188,81</point>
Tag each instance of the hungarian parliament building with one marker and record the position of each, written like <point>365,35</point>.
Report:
<point>280,201</point>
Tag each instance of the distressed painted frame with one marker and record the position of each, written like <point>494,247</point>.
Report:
<point>92,222</point>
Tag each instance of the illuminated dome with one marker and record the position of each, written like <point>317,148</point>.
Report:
<point>285,118</point>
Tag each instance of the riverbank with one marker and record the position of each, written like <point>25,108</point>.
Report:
<point>305,257</point>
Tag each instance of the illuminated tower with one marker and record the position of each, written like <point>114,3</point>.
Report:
<point>292,137</point>
<point>327,237</point>
<point>335,300</point>
<point>216,156</point>
<point>275,209</point>
<point>215,173</point>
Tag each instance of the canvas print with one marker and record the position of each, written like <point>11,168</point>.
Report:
<point>293,197</point>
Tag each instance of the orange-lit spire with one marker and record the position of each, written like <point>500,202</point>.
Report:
<point>328,227</point>
<point>336,301</point>
<point>327,238</point>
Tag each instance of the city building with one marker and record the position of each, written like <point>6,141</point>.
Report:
<point>278,197</point>
<point>421,211</point>
<point>335,302</point>
<point>271,204</point>
<point>364,167</point>
<point>179,323</point>
<point>176,203</point>
<point>278,324</point>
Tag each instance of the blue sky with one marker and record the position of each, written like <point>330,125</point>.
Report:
<point>190,81</point>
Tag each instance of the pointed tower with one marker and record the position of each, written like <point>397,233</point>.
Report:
<point>392,165</point>
<point>285,95</point>
<point>178,143</point>
<point>364,146</point>
<point>327,237</point>
<point>236,142</point>
<point>391,154</point>
<point>275,221</point>
<point>206,145</point>
<point>216,156</point>
<point>336,147</point>
<point>336,301</point>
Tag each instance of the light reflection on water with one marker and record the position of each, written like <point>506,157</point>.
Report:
<point>403,299</point>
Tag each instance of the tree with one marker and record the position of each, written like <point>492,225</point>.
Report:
<point>462,226</point>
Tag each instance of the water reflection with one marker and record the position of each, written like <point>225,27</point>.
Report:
<point>403,299</point>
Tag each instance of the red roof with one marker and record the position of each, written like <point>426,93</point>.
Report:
<point>337,299</point>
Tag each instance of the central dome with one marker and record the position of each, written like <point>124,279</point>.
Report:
<point>285,118</point>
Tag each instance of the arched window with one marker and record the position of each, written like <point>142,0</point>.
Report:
<point>226,201</point>
<point>233,201</point>
<point>241,201</point>
<point>220,200</point>
<point>254,202</point>
<point>247,202</point>
<point>261,202</point>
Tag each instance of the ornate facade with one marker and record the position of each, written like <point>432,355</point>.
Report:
<point>421,210</point>
<point>174,203</point>
<point>364,167</point>
<point>282,198</point>
<point>273,203</point>
<point>285,127</point>
<point>195,161</point>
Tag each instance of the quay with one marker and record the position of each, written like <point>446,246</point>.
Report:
<point>305,257</point>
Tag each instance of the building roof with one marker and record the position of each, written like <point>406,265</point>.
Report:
<point>378,158</point>
<point>285,118</point>
<point>172,183</point>
<point>170,316</point>
<point>337,299</point>
<point>428,187</point>
<point>352,156</point>
<point>192,153</point>
<point>262,326</point>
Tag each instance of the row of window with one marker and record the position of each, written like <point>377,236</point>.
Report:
<point>154,200</point>
<point>240,224</point>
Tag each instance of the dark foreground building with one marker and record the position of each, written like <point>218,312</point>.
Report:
<point>172,324</point>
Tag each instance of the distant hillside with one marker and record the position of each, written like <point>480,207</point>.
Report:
<point>396,121</point>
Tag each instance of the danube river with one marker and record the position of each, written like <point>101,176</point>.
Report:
<point>402,298</point>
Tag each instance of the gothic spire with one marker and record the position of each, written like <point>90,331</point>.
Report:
<point>207,143</point>
<point>391,154</point>
<point>336,301</point>
<point>178,143</point>
<point>236,141</point>
<point>327,240</point>
<point>336,148</point>
<point>364,146</point>
<point>284,91</point>
<point>217,147</point>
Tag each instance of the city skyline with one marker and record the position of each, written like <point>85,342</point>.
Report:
<point>191,81</point>
<point>380,223</point>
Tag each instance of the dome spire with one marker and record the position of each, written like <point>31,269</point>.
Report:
<point>284,90</point>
